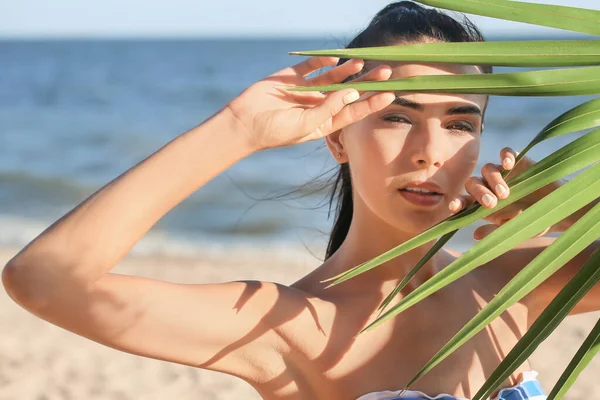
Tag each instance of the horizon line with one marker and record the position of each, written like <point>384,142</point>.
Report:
<point>257,36</point>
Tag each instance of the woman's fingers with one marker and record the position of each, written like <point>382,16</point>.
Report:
<point>349,68</point>
<point>369,104</point>
<point>328,104</point>
<point>484,196</point>
<point>460,203</point>
<point>508,157</point>
<point>359,110</point>
<point>305,99</point>
<point>381,73</point>
<point>337,74</point>
<point>308,66</point>
<point>488,189</point>
<point>493,178</point>
<point>338,109</point>
<point>320,118</point>
<point>342,108</point>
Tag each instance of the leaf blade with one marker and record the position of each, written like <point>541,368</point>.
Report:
<point>583,116</point>
<point>554,82</point>
<point>528,53</point>
<point>561,17</point>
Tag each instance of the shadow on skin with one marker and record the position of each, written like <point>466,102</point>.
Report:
<point>304,373</point>
<point>271,321</point>
<point>436,332</point>
<point>251,288</point>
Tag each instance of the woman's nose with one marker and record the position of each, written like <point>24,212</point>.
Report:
<point>427,147</point>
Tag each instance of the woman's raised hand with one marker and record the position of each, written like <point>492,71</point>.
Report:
<point>271,116</point>
<point>491,187</point>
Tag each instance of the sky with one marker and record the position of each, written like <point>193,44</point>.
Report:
<point>206,18</point>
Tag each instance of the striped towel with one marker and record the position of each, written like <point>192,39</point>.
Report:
<point>528,388</point>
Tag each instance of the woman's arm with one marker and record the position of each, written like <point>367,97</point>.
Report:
<point>87,242</point>
<point>63,275</point>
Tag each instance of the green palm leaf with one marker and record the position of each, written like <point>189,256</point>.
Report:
<point>582,358</point>
<point>571,158</point>
<point>566,247</point>
<point>564,201</point>
<point>584,116</point>
<point>533,53</point>
<point>554,82</point>
<point>568,18</point>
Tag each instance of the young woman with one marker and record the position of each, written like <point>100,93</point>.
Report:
<point>298,341</point>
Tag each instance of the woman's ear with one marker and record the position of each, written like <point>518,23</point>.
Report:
<point>335,144</point>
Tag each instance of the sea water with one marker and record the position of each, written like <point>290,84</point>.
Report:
<point>74,114</point>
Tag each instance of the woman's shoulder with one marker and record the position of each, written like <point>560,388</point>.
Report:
<point>483,273</point>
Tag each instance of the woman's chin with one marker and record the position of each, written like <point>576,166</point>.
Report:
<point>418,222</point>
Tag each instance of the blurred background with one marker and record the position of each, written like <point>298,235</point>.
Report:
<point>88,89</point>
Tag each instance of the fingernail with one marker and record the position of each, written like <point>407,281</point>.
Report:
<point>500,190</point>
<point>507,162</point>
<point>351,97</point>
<point>487,199</point>
<point>454,204</point>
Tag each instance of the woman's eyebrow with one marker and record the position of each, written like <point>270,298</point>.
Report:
<point>400,101</point>
<point>464,110</point>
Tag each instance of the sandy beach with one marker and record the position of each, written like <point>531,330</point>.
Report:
<point>41,361</point>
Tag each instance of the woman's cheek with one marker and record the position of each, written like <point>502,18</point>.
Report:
<point>464,161</point>
<point>370,162</point>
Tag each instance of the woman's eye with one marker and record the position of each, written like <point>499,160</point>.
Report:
<point>465,127</point>
<point>396,119</point>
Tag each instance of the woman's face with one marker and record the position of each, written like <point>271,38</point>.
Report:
<point>431,138</point>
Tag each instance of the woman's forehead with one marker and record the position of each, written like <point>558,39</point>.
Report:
<point>407,70</point>
<point>402,70</point>
<point>428,100</point>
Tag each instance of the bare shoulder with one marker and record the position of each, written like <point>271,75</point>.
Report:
<point>296,316</point>
<point>502,269</point>
<point>514,260</point>
<point>508,264</point>
<point>493,274</point>
<point>292,326</point>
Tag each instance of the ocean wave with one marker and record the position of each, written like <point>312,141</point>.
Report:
<point>17,232</point>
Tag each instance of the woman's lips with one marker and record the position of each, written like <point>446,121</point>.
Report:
<point>421,199</point>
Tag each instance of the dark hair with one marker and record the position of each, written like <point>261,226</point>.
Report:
<point>404,22</point>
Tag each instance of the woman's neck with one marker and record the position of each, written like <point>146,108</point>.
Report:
<point>365,242</point>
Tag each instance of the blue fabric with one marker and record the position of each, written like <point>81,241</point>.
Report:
<point>528,388</point>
